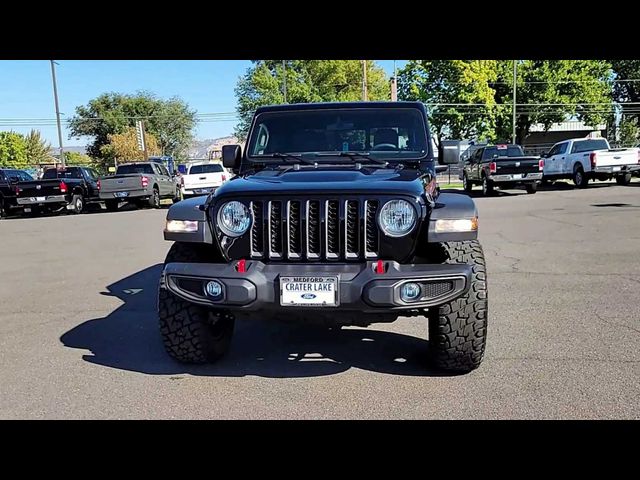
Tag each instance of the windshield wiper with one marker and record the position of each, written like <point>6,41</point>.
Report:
<point>289,156</point>
<point>354,156</point>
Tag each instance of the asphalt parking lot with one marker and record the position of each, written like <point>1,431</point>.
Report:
<point>78,334</point>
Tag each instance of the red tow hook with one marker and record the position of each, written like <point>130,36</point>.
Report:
<point>242,266</point>
<point>380,268</point>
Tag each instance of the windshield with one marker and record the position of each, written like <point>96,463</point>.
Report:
<point>67,173</point>
<point>210,168</point>
<point>135,168</point>
<point>384,132</point>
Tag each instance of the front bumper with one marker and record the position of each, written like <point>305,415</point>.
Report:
<point>523,177</point>
<point>616,169</point>
<point>44,201</point>
<point>360,287</point>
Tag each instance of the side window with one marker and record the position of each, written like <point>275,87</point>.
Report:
<point>478,155</point>
<point>156,169</point>
<point>576,147</point>
<point>2,176</point>
<point>554,150</point>
<point>562,148</point>
<point>25,177</point>
<point>164,171</point>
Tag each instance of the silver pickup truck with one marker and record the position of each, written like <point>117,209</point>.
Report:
<point>140,183</point>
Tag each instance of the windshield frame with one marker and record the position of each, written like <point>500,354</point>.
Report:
<point>325,157</point>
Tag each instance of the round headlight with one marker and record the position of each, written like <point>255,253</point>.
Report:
<point>234,218</point>
<point>397,218</point>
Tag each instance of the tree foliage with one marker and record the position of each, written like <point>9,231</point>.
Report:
<point>307,81</point>
<point>171,121</point>
<point>37,149</point>
<point>77,158</point>
<point>123,147</point>
<point>13,150</point>
<point>453,82</point>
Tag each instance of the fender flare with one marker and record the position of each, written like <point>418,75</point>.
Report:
<point>451,206</point>
<point>190,210</point>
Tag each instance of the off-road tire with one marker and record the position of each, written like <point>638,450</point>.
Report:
<point>154,199</point>
<point>531,188</point>
<point>624,179</point>
<point>192,333</point>
<point>458,329</point>
<point>466,183</point>
<point>111,205</point>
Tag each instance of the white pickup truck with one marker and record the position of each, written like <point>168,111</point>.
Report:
<point>202,178</point>
<point>584,159</point>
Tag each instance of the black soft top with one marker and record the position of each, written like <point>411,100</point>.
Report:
<point>337,105</point>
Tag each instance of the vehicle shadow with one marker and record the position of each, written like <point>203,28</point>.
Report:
<point>128,339</point>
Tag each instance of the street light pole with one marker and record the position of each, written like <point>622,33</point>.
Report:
<point>55,97</point>
<point>515,76</point>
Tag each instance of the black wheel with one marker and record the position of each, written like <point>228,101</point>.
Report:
<point>458,329</point>
<point>78,204</point>
<point>192,333</point>
<point>487,186</point>
<point>624,179</point>
<point>112,205</point>
<point>154,199</point>
<point>466,184</point>
<point>3,211</point>
<point>178,196</point>
<point>531,188</point>
<point>579,178</point>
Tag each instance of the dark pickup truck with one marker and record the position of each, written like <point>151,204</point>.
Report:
<point>70,188</point>
<point>502,166</point>
<point>9,179</point>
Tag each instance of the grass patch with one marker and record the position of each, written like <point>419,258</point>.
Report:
<point>449,186</point>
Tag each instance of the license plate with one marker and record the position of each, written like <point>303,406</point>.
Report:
<point>203,190</point>
<point>616,169</point>
<point>309,291</point>
<point>121,194</point>
<point>27,210</point>
<point>38,199</point>
<point>517,177</point>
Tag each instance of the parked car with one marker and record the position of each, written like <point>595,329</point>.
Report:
<point>140,183</point>
<point>202,178</point>
<point>70,188</point>
<point>503,166</point>
<point>584,159</point>
<point>9,179</point>
<point>333,216</point>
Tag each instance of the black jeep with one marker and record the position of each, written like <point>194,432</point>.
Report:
<point>334,215</point>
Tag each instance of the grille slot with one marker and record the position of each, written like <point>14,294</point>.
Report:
<point>313,229</point>
<point>294,225</point>
<point>352,229</point>
<point>371,229</point>
<point>257,230</point>
<point>275,229</point>
<point>332,228</point>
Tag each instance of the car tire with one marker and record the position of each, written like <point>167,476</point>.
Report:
<point>531,188</point>
<point>192,333</point>
<point>3,211</point>
<point>458,329</point>
<point>178,196</point>
<point>579,178</point>
<point>154,199</point>
<point>487,186</point>
<point>111,205</point>
<point>624,179</point>
<point>466,184</point>
<point>78,204</point>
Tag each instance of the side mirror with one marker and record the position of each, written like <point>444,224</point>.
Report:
<point>231,155</point>
<point>449,152</point>
<point>544,155</point>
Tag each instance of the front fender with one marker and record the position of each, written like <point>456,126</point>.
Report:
<point>451,206</point>
<point>190,210</point>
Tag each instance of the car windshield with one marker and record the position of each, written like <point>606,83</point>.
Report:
<point>135,168</point>
<point>66,173</point>
<point>210,168</point>
<point>389,133</point>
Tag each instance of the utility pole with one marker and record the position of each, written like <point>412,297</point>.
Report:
<point>364,80</point>
<point>394,84</point>
<point>55,97</point>
<point>284,80</point>
<point>515,76</point>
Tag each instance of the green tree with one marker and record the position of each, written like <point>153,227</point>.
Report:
<point>77,158</point>
<point>456,87</point>
<point>628,131</point>
<point>13,150</point>
<point>170,121</point>
<point>307,81</point>
<point>123,147</point>
<point>551,91</point>
<point>37,149</point>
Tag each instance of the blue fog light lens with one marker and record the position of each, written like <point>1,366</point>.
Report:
<point>214,289</point>
<point>410,291</point>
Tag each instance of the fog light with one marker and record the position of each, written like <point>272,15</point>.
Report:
<point>410,291</point>
<point>214,289</point>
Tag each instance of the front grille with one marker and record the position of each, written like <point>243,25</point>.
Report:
<point>314,229</point>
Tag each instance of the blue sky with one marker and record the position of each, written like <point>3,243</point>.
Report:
<point>206,85</point>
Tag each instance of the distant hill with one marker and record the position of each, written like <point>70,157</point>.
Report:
<point>75,148</point>
<point>203,148</point>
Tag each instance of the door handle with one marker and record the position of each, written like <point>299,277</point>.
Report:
<point>562,158</point>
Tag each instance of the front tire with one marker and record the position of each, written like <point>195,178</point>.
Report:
<point>466,184</point>
<point>624,179</point>
<point>192,333</point>
<point>458,329</point>
<point>531,188</point>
